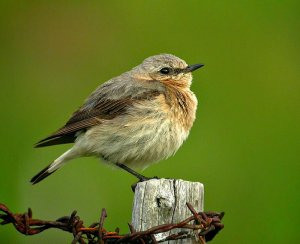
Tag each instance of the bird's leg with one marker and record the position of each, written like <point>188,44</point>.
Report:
<point>134,173</point>
<point>140,177</point>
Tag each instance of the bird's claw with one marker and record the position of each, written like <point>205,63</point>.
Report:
<point>142,179</point>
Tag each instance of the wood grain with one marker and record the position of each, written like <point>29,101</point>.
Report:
<point>163,201</point>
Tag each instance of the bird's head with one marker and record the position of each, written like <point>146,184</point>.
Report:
<point>167,69</point>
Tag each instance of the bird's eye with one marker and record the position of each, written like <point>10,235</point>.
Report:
<point>165,71</point>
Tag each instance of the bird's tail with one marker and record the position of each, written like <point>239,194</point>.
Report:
<point>51,168</point>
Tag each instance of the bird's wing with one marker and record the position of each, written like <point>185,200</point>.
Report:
<point>87,116</point>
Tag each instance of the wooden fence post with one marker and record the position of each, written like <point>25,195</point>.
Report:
<point>163,201</point>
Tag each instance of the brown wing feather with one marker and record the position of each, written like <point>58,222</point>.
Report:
<point>87,117</point>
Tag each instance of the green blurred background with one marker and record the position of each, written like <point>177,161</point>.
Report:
<point>244,145</point>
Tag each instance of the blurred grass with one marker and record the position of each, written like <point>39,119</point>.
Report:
<point>244,145</point>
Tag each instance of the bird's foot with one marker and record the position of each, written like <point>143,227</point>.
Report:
<point>142,179</point>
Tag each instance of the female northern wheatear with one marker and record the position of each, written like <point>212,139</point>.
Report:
<point>132,120</point>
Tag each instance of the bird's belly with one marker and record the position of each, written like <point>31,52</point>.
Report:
<point>137,143</point>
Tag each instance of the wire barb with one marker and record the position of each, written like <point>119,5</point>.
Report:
<point>205,226</point>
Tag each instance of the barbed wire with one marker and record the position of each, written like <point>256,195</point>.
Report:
<point>204,226</point>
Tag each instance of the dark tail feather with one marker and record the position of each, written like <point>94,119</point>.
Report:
<point>41,175</point>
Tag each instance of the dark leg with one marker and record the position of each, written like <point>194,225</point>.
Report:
<point>134,173</point>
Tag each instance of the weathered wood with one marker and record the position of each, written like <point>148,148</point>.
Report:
<point>163,201</point>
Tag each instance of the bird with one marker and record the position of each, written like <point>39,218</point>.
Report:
<point>133,120</point>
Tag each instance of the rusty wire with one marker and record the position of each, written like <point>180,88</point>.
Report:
<point>204,226</point>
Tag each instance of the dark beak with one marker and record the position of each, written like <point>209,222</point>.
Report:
<point>193,67</point>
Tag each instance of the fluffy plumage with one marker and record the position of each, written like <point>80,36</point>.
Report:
<point>139,117</point>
